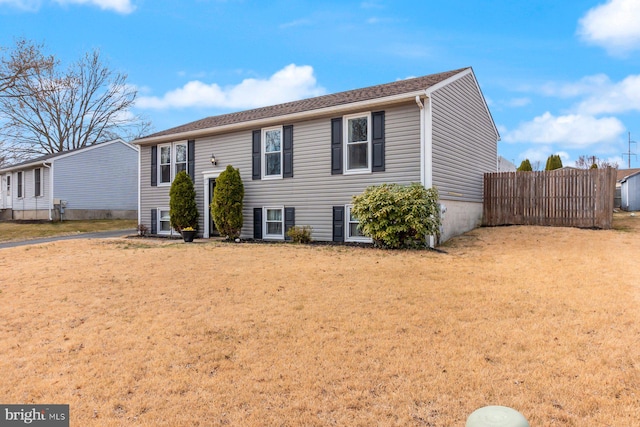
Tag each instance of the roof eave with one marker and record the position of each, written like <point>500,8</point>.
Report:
<point>282,118</point>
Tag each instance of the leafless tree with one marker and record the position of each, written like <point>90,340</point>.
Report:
<point>49,111</point>
<point>587,162</point>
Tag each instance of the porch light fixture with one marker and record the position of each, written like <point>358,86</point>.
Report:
<point>214,161</point>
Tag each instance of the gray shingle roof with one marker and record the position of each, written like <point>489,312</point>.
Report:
<point>310,104</point>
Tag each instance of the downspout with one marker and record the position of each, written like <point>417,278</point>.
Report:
<point>426,149</point>
<point>50,188</point>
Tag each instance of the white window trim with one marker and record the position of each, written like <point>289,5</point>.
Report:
<point>263,152</point>
<point>266,236</point>
<point>347,231</point>
<point>172,161</point>
<point>41,182</point>
<point>345,139</point>
<point>159,221</point>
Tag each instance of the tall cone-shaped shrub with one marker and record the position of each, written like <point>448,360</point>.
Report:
<point>525,166</point>
<point>183,210</point>
<point>226,207</point>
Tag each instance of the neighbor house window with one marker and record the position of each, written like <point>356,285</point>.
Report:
<point>357,136</point>
<point>272,152</point>
<point>164,221</point>
<point>20,185</point>
<point>172,158</point>
<point>354,234</point>
<point>37,182</point>
<point>274,223</point>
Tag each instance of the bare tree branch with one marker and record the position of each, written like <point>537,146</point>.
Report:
<point>48,110</point>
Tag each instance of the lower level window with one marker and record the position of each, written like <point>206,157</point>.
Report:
<point>354,234</point>
<point>274,223</point>
<point>164,221</point>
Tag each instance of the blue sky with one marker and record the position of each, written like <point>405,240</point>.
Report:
<point>560,77</point>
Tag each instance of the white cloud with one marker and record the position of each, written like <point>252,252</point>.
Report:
<point>120,6</point>
<point>291,83</point>
<point>613,25</point>
<point>600,95</point>
<point>26,5</point>
<point>571,131</point>
<point>518,102</point>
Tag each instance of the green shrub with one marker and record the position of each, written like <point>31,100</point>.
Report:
<point>226,207</point>
<point>553,162</point>
<point>300,234</point>
<point>183,210</point>
<point>525,166</point>
<point>396,216</point>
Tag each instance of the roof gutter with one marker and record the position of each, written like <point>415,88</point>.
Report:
<point>286,117</point>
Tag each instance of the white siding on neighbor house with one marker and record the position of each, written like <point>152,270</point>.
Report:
<point>313,190</point>
<point>464,141</point>
<point>29,201</point>
<point>102,177</point>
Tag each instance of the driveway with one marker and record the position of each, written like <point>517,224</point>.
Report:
<point>96,235</point>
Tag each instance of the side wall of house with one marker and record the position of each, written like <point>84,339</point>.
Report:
<point>99,182</point>
<point>464,148</point>
<point>30,206</point>
<point>313,190</point>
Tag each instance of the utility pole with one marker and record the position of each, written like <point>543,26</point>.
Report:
<point>629,153</point>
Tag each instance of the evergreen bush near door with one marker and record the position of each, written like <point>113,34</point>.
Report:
<point>183,211</point>
<point>226,207</point>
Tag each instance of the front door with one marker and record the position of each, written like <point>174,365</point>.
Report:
<point>212,226</point>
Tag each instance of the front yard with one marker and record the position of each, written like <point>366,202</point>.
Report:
<point>155,332</point>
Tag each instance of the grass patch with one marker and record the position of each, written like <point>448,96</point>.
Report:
<point>252,335</point>
<point>10,230</point>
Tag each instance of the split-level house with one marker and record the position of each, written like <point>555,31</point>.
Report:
<point>99,181</point>
<point>302,162</point>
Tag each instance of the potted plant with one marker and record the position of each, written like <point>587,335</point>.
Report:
<point>183,210</point>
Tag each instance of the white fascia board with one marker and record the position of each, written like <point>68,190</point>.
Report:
<point>410,96</point>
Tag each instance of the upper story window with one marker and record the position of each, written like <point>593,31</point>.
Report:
<point>172,154</point>
<point>272,152</point>
<point>37,182</point>
<point>357,137</point>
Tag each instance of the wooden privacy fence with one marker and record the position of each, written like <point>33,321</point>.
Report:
<point>564,197</point>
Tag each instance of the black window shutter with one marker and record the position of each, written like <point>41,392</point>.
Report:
<point>289,220</point>
<point>154,221</point>
<point>287,151</point>
<point>377,141</point>
<point>154,166</point>
<point>257,223</point>
<point>256,150</point>
<point>338,223</point>
<point>191,159</point>
<point>336,146</point>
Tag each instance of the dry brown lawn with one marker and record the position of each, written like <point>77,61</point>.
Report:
<point>150,332</point>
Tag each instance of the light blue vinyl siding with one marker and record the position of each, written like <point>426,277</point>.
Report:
<point>102,177</point>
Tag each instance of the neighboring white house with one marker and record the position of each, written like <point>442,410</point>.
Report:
<point>630,192</point>
<point>302,162</point>
<point>505,165</point>
<point>94,182</point>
